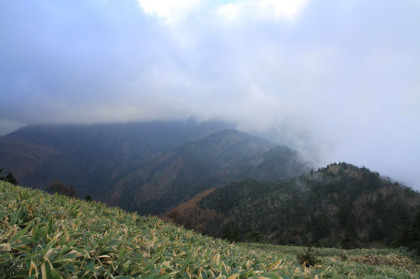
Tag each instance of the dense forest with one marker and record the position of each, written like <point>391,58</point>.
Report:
<point>337,206</point>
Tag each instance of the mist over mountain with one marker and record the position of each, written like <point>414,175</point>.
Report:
<point>335,80</point>
<point>144,167</point>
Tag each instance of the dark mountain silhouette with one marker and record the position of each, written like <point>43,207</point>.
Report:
<point>37,165</point>
<point>337,206</point>
<point>92,157</point>
<point>211,162</point>
<point>144,167</point>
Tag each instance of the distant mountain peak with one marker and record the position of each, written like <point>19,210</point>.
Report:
<point>339,171</point>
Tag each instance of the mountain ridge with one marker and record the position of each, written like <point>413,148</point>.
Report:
<point>337,206</point>
<point>144,167</point>
<point>197,166</point>
<point>96,148</point>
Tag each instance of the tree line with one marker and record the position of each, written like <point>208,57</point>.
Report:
<point>8,178</point>
<point>55,187</point>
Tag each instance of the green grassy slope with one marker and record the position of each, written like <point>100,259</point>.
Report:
<point>52,236</point>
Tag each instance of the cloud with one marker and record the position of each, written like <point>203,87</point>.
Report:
<point>339,80</point>
<point>177,10</point>
<point>172,11</point>
<point>276,10</point>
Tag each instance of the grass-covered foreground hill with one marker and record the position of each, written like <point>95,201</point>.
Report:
<point>53,236</point>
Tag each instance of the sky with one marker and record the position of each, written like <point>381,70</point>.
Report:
<point>337,80</point>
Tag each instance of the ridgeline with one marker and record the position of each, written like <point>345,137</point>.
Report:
<point>339,206</point>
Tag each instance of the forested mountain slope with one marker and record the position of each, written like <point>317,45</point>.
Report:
<point>337,206</point>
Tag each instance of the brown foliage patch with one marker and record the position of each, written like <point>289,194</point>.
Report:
<point>389,260</point>
<point>191,216</point>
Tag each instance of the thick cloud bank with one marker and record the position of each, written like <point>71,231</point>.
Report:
<point>340,80</point>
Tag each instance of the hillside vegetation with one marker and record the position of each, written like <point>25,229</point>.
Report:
<point>54,236</point>
<point>340,206</point>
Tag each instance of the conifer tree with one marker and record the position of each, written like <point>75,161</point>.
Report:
<point>10,178</point>
<point>414,234</point>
